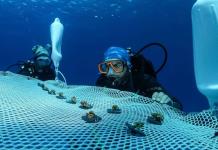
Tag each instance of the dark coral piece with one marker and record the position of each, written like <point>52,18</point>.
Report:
<point>85,105</point>
<point>72,100</point>
<point>61,95</point>
<point>156,118</point>
<point>91,117</point>
<point>115,110</point>
<point>133,130</point>
<point>52,92</point>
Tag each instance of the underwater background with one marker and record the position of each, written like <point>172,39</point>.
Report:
<point>91,26</point>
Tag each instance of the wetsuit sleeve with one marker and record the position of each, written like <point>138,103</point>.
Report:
<point>175,103</point>
<point>26,70</point>
<point>150,85</point>
<point>103,81</point>
<point>48,73</point>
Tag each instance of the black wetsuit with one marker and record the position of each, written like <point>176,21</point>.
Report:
<point>30,69</point>
<point>144,85</point>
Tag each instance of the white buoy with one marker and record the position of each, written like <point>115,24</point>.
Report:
<point>205,42</point>
<point>56,30</point>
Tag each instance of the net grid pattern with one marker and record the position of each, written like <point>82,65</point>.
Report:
<point>30,118</point>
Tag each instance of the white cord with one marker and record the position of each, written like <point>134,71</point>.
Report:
<point>58,72</point>
<point>63,77</point>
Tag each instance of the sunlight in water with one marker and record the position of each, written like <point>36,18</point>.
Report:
<point>68,7</point>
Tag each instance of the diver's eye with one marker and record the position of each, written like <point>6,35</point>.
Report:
<point>104,67</point>
<point>118,65</point>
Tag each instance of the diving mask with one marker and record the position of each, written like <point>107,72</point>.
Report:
<point>116,65</point>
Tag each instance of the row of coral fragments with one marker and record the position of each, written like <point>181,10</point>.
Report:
<point>90,117</point>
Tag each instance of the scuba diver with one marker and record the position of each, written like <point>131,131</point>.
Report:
<point>39,66</point>
<point>126,71</point>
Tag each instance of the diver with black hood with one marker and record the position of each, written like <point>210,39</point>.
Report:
<point>39,66</point>
<point>123,70</point>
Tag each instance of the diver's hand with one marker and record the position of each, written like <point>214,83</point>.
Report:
<point>161,97</point>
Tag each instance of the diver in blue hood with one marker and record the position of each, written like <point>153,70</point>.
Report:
<point>128,72</point>
<point>39,66</point>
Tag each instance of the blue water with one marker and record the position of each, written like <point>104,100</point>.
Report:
<point>91,26</point>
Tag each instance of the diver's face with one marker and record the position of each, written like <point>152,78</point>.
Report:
<point>112,73</point>
<point>42,63</point>
<point>41,55</point>
<point>113,68</point>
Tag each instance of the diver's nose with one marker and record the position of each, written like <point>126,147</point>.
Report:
<point>110,72</point>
